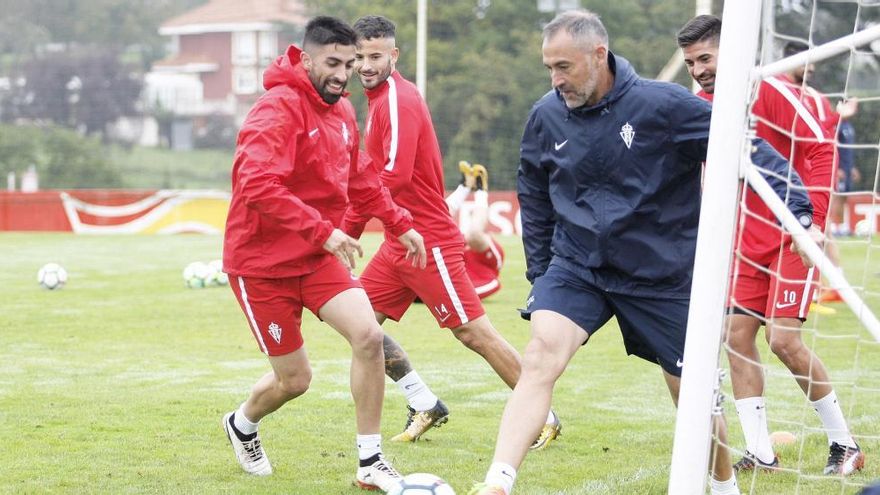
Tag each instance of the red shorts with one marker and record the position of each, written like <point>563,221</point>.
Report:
<point>392,283</point>
<point>780,286</point>
<point>484,267</point>
<point>273,306</point>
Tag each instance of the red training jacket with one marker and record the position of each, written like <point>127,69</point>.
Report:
<point>295,170</point>
<point>403,148</point>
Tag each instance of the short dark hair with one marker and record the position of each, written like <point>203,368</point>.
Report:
<point>700,28</point>
<point>793,47</point>
<point>371,27</point>
<point>581,24</point>
<point>326,30</point>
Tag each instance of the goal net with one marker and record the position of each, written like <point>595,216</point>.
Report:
<point>835,107</point>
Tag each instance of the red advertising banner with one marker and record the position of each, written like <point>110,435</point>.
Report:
<point>106,211</point>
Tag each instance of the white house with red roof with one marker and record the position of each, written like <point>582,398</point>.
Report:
<point>216,56</point>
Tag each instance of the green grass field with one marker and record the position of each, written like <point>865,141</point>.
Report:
<point>116,384</point>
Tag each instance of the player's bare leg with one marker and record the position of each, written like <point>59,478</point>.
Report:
<point>554,341</point>
<point>747,379</point>
<point>784,337</point>
<point>745,359</point>
<point>350,314</point>
<point>480,336</point>
<point>720,465</point>
<point>425,410</point>
<point>289,378</point>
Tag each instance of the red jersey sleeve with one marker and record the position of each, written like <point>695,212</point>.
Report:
<point>265,142</point>
<point>370,198</point>
<point>400,150</point>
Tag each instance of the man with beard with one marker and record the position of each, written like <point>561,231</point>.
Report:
<point>609,186</point>
<point>295,171</point>
<point>772,286</point>
<point>402,145</point>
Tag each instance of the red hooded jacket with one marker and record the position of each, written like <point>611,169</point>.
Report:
<point>296,168</point>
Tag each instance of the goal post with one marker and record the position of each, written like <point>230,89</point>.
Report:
<point>727,145</point>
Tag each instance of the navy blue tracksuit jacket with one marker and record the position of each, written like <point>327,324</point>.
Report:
<point>613,190</point>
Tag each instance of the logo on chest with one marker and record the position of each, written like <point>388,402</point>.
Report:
<point>627,133</point>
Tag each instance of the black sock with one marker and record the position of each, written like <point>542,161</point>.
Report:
<point>241,436</point>
<point>370,461</point>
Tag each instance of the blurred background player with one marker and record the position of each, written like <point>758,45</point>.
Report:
<point>483,256</point>
<point>836,124</point>
<point>772,283</point>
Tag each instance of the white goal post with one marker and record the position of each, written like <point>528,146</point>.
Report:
<point>728,161</point>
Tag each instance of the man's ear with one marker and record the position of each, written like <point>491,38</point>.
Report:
<point>306,60</point>
<point>395,53</point>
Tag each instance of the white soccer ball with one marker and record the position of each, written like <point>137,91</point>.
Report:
<point>52,276</point>
<point>195,275</point>
<point>863,228</point>
<point>220,277</point>
<point>421,484</point>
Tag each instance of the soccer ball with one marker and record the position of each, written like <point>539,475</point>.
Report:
<point>219,277</point>
<point>863,228</point>
<point>195,275</point>
<point>52,276</point>
<point>421,484</point>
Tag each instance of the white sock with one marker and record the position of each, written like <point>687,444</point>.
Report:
<point>832,419</point>
<point>551,418</point>
<point>753,418</point>
<point>501,474</point>
<point>243,424</point>
<point>728,487</point>
<point>457,198</point>
<point>369,445</point>
<point>481,198</point>
<point>417,393</point>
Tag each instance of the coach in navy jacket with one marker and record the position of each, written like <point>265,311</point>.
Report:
<point>617,184</point>
<point>609,192</point>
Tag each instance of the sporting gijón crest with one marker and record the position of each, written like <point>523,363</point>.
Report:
<point>275,331</point>
<point>627,133</point>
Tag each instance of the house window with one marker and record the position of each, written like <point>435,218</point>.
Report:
<point>172,47</point>
<point>268,47</point>
<point>245,80</point>
<point>244,48</point>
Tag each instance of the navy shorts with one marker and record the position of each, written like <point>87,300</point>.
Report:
<point>653,328</point>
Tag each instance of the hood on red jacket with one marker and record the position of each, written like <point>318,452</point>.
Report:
<point>288,70</point>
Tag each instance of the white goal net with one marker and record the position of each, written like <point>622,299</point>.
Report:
<point>835,43</point>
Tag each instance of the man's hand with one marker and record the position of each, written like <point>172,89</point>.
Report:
<point>817,236</point>
<point>343,247</point>
<point>847,108</point>
<point>415,247</point>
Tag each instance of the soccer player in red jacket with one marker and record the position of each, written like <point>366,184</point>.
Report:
<point>401,142</point>
<point>772,282</point>
<point>295,172</point>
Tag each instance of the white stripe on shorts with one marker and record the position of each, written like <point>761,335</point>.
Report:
<point>486,287</point>
<point>250,314</point>
<point>447,282</point>
<point>805,301</point>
